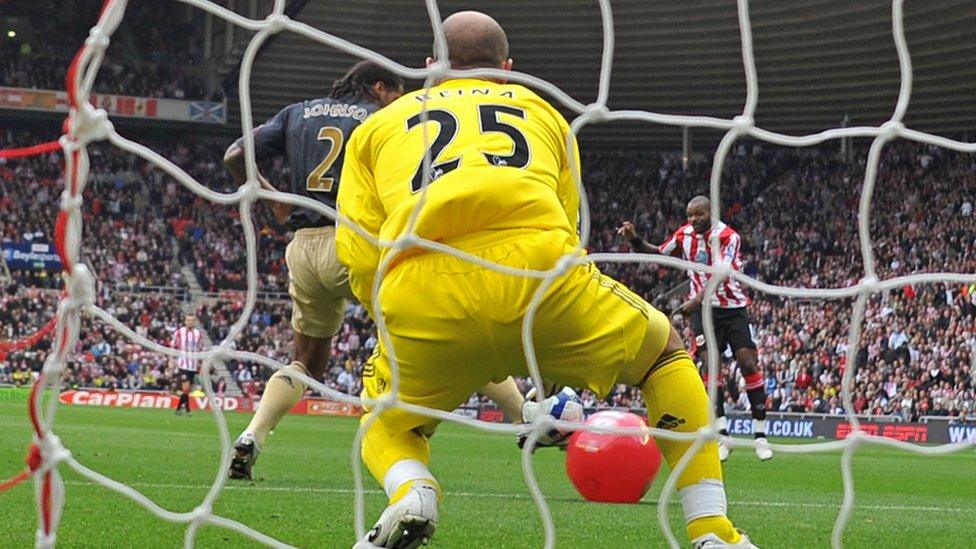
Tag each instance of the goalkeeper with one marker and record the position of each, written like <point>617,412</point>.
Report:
<point>501,189</point>
<point>312,134</point>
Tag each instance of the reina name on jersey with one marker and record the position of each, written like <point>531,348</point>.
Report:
<point>336,110</point>
<point>457,92</point>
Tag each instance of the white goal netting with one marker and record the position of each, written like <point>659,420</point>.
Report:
<point>87,124</point>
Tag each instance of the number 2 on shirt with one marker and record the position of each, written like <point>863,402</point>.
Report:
<point>317,181</point>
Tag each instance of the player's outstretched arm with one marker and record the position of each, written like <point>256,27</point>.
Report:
<point>629,232</point>
<point>234,161</point>
<point>270,139</point>
<point>691,305</point>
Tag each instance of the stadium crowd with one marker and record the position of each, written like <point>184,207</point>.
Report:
<point>268,332</point>
<point>102,357</point>
<point>126,239</point>
<point>153,53</point>
<point>795,210</point>
<point>213,245</point>
<point>917,352</point>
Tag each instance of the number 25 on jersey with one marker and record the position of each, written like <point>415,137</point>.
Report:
<point>489,121</point>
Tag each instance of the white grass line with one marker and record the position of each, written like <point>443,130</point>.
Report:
<point>158,434</point>
<point>732,502</point>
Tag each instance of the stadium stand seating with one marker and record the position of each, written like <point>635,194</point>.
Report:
<point>795,210</point>
<point>156,55</point>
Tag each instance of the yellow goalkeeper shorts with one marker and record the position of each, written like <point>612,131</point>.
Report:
<point>455,326</point>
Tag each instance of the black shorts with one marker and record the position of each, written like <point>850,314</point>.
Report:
<point>187,375</point>
<point>733,328</point>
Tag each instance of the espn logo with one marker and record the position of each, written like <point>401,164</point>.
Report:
<point>793,428</point>
<point>904,433</point>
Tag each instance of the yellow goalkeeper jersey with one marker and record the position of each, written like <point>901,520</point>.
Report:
<point>498,164</point>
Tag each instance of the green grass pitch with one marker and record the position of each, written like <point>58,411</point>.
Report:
<point>303,494</point>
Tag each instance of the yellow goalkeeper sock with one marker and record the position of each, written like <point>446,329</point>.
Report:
<point>396,460</point>
<point>721,526</point>
<point>676,400</point>
<point>280,395</point>
<point>507,396</point>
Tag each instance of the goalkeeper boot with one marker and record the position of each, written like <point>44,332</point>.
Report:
<point>712,541</point>
<point>245,454</point>
<point>763,451</point>
<point>407,523</point>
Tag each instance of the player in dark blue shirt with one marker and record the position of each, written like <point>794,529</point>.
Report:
<point>312,136</point>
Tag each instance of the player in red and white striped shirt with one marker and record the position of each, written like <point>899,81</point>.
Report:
<point>187,339</point>
<point>733,328</point>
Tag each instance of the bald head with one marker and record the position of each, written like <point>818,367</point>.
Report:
<point>700,201</point>
<point>700,214</point>
<point>475,40</point>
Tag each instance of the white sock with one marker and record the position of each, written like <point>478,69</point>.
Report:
<point>402,472</point>
<point>703,499</point>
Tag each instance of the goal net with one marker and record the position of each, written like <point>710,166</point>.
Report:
<point>87,124</point>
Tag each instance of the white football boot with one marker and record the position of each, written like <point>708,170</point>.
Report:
<point>712,541</point>
<point>763,451</point>
<point>406,524</point>
<point>532,409</point>
<point>724,447</point>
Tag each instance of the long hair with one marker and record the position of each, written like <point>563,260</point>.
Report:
<point>359,80</point>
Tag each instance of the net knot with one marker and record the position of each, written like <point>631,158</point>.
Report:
<point>277,23</point>
<point>81,287</point>
<point>222,352</point>
<point>595,112</point>
<point>388,400</point>
<point>405,242</point>
<point>89,124</point>
<point>722,269</point>
<point>67,142</point>
<point>97,38</point>
<point>891,129</point>
<point>543,423</point>
<point>870,284</point>
<point>709,432</point>
<point>563,265</point>
<point>70,204</point>
<point>49,453</point>
<point>743,123</point>
<point>856,437</point>
<point>202,512</point>
<point>438,70</point>
<point>250,190</point>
